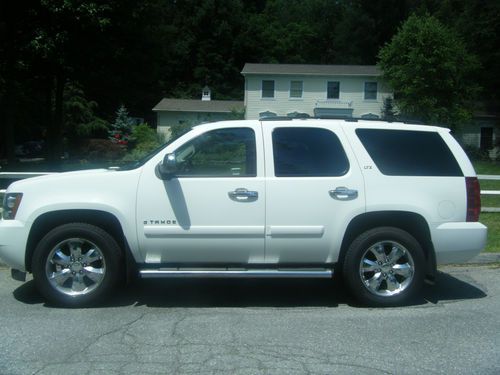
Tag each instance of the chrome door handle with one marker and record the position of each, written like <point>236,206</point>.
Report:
<point>343,194</point>
<point>243,195</point>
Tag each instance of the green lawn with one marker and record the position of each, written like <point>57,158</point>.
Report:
<point>487,167</point>
<point>491,220</point>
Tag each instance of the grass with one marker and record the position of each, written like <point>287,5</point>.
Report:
<point>483,167</point>
<point>490,219</point>
<point>487,167</point>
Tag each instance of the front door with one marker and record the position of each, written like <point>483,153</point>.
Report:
<point>213,210</point>
<point>486,138</point>
<point>314,189</point>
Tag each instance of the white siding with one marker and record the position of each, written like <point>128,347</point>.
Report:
<point>470,134</point>
<point>314,95</point>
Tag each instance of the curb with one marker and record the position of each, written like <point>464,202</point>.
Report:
<point>482,258</point>
<point>485,258</point>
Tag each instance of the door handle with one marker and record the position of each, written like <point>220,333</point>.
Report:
<point>343,194</point>
<point>243,195</point>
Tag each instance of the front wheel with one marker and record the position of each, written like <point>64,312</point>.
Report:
<point>384,267</point>
<point>76,264</point>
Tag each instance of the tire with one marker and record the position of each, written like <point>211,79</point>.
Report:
<point>75,265</point>
<point>384,267</point>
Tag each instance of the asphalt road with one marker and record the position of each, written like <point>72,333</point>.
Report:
<point>255,327</point>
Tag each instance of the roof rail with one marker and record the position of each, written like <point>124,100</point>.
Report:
<point>276,118</point>
<point>347,119</point>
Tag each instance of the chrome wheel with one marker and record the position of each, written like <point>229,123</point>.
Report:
<point>75,267</point>
<point>386,268</point>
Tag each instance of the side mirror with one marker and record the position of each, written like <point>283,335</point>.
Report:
<point>168,167</point>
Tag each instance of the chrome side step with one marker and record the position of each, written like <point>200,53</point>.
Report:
<point>254,273</point>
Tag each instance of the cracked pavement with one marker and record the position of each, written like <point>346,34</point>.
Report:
<point>255,327</point>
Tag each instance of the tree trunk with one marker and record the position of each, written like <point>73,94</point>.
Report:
<point>55,129</point>
<point>7,148</point>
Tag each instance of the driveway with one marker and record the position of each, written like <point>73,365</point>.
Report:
<point>255,327</point>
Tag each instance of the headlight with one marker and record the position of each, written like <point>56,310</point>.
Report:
<point>11,203</point>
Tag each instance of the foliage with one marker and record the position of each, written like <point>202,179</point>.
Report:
<point>476,154</point>
<point>143,133</point>
<point>123,122</point>
<point>137,52</point>
<point>143,139</point>
<point>389,111</point>
<point>122,127</point>
<point>80,120</point>
<point>237,115</point>
<point>430,70</point>
<point>478,23</point>
<point>101,149</point>
<point>179,129</point>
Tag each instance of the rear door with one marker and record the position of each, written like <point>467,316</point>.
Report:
<point>314,187</point>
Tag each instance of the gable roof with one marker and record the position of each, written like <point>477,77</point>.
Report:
<point>315,70</point>
<point>192,105</point>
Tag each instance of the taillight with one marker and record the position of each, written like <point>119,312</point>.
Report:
<point>473,198</point>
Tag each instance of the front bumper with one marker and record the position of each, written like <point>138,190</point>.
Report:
<point>13,239</point>
<point>458,242</point>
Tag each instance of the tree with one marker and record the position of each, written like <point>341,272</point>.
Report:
<point>478,23</point>
<point>80,120</point>
<point>430,71</point>
<point>121,127</point>
<point>389,112</point>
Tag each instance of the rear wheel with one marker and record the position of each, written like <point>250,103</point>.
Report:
<point>76,264</point>
<point>384,267</point>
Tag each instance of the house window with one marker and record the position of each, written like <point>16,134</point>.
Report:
<point>370,90</point>
<point>333,90</point>
<point>296,89</point>
<point>267,89</point>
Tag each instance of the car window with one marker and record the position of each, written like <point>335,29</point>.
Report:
<point>308,152</point>
<point>218,153</point>
<point>409,153</point>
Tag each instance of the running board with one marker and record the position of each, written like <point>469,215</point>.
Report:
<point>254,273</point>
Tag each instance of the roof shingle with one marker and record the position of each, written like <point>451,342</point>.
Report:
<point>322,70</point>
<point>192,105</point>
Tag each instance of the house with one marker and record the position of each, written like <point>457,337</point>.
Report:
<point>193,112</point>
<point>482,132</point>
<point>313,90</point>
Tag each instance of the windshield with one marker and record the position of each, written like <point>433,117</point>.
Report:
<point>139,163</point>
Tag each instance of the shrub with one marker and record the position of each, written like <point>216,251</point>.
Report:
<point>142,141</point>
<point>101,150</point>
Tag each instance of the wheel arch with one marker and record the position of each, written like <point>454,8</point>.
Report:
<point>410,222</point>
<point>104,220</point>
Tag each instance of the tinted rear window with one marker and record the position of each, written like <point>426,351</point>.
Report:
<point>409,153</point>
<point>308,152</point>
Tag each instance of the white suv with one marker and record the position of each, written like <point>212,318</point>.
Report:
<point>380,203</point>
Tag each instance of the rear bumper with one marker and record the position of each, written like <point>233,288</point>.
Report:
<point>13,238</point>
<point>458,242</point>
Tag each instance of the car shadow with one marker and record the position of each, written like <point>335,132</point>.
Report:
<point>212,293</point>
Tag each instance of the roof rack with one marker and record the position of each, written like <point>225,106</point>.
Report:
<point>277,118</point>
<point>347,119</point>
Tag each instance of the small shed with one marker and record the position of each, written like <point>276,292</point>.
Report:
<point>194,112</point>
